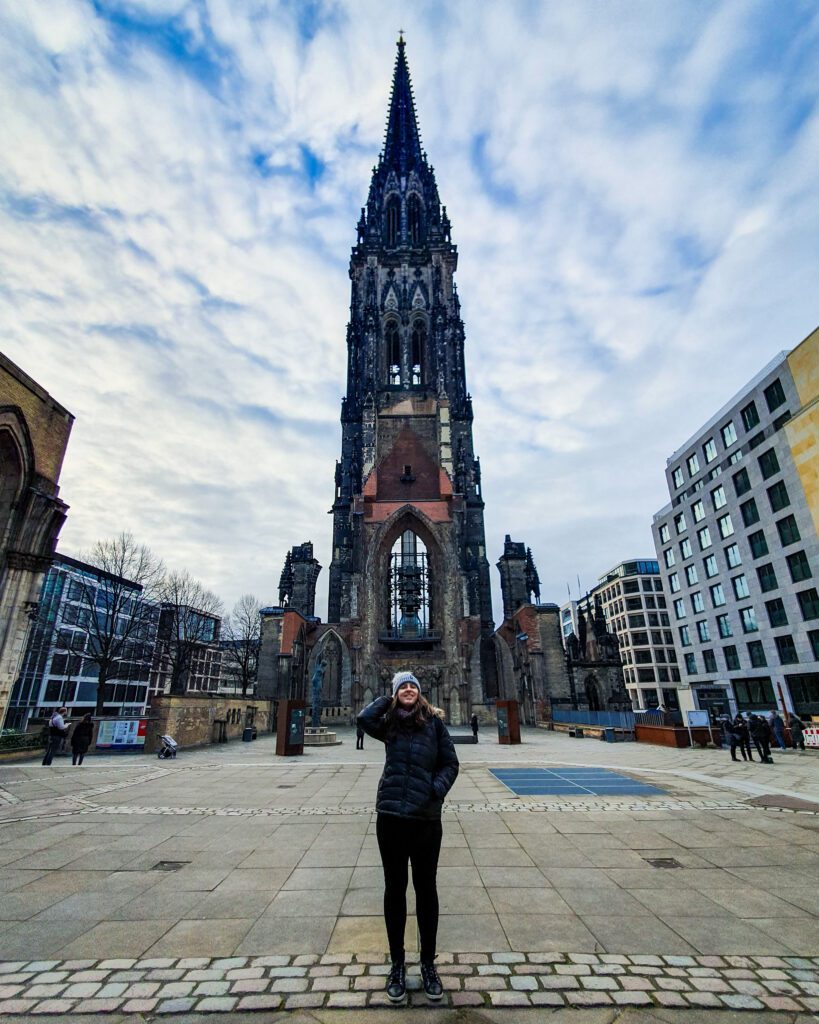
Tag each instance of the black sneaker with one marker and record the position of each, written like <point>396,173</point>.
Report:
<point>432,983</point>
<point>397,983</point>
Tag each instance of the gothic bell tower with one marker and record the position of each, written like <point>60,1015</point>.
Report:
<point>409,573</point>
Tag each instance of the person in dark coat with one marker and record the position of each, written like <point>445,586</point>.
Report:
<point>81,739</point>
<point>473,722</point>
<point>760,734</point>
<point>777,727</point>
<point>797,727</point>
<point>57,732</point>
<point>359,737</point>
<point>420,768</point>
<point>740,730</point>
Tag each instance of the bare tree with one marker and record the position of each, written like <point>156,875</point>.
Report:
<point>118,612</point>
<point>188,619</point>
<point>242,635</point>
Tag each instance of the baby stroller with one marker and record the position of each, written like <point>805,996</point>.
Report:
<point>168,748</point>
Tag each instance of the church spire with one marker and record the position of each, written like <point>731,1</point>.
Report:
<point>402,142</point>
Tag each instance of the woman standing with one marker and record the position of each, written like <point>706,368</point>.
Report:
<point>81,739</point>
<point>420,768</point>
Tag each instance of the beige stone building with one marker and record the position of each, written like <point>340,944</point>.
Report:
<point>34,431</point>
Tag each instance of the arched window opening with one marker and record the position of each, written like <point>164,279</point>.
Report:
<point>393,346</point>
<point>415,227</point>
<point>419,340</point>
<point>393,221</point>
<point>11,474</point>
<point>409,587</point>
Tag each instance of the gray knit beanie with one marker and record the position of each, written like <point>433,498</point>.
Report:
<point>404,677</point>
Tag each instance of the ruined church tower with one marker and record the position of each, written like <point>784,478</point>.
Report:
<point>409,574</point>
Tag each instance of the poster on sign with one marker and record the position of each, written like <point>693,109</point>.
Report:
<point>122,734</point>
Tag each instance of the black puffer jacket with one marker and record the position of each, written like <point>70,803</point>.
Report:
<point>421,764</point>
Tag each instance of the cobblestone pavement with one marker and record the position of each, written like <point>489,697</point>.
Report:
<point>231,881</point>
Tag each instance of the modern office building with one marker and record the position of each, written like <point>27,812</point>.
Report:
<point>737,545</point>
<point>635,609</point>
<point>57,667</point>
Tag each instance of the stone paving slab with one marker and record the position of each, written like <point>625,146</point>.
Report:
<point>168,985</point>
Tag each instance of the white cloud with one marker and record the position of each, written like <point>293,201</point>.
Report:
<point>643,211</point>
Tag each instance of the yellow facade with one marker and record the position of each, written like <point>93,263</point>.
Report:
<point>802,430</point>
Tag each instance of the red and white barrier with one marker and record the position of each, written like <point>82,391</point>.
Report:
<point>811,734</point>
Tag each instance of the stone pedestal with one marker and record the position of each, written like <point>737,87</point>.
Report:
<point>321,737</point>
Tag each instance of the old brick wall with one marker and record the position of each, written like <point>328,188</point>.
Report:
<point>49,424</point>
<point>190,720</point>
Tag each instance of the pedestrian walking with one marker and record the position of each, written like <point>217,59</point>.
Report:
<point>420,767</point>
<point>739,728</point>
<point>473,722</point>
<point>57,731</point>
<point>81,739</point>
<point>777,727</point>
<point>359,737</point>
<point>797,727</point>
<point>760,734</point>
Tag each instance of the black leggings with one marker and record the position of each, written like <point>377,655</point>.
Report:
<point>402,840</point>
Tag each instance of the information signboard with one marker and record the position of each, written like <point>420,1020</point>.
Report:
<point>698,719</point>
<point>122,734</point>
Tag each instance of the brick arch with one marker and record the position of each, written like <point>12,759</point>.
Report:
<point>16,467</point>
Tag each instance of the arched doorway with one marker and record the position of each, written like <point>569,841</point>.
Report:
<point>593,694</point>
<point>11,474</point>
<point>331,685</point>
<point>409,590</point>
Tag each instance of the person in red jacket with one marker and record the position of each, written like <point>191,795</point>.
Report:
<point>420,769</point>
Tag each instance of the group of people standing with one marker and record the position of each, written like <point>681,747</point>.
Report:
<point>741,732</point>
<point>58,731</point>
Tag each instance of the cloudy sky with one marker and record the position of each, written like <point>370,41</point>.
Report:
<point>632,187</point>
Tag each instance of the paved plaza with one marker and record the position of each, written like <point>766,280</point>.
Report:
<point>232,881</point>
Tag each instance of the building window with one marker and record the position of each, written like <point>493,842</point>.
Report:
<point>748,618</point>
<point>685,547</point>
<point>704,537</point>
<point>742,482</point>
<point>697,602</point>
<point>768,463</point>
<point>674,583</point>
<point>685,636</point>
<point>758,544</point>
<point>709,450</point>
<point>740,584</point>
<point>750,513</point>
<point>799,566</point>
<point>419,344</point>
<point>732,556</point>
<point>693,464</point>
<point>698,509</point>
<point>414,220</point>
<point>813,636</point>
<point>393,221</point>
<point>709,661</point>
<point>750,417</point>
<point>731,658</point>
<point>788,531</point>
<point>778,496</point>
<point>690,664</point>
<point>679,609</point>
<point>718,498</point>
<point>726,527</point>
<point>767,577</point>
<point>702,631</point>
<point>808,603</point>
<point>679,522</point>
<point>677,477</point>
<point>781,420</point>
<point>717,595</point>
<point>724,626</point>
<point>786,649</point>
<point>729,434</point>
<point>668,556</point>
<point>393,352</point>
<point>777,616</point>
<point>774,395</point>
<point>756,440</point>
<point>664,533</point>
<point>756,652</point>
<point>754,693</point>
<point>691,575</point>
<point>710,564</point>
